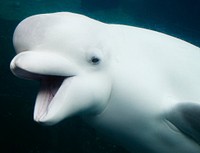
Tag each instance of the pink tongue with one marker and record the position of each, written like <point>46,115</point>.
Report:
<point>49,88</point>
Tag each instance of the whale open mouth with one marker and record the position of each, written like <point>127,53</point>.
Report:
<point>47,95</point>
<point>48,89</point>
<point>55,78</point>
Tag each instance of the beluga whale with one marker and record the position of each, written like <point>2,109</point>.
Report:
<point>138,87</point>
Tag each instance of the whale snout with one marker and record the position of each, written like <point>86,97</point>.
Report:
<point>34,65</point>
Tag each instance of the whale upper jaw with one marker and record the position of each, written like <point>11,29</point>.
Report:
<point>35,64</point>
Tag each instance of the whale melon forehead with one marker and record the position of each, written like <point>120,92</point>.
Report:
<point>42,29</point>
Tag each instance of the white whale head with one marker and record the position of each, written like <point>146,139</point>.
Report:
<point>143,85</point>
<point>64,52</point>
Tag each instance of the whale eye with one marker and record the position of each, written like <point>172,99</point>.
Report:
<point>95,60</point>
<point>94,56</point>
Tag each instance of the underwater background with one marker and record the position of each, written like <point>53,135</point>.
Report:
<point>18,132</point>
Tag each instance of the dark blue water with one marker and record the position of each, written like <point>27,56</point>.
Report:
<point>18,132</point>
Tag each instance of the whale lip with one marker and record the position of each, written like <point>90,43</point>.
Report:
<point>22,73</point>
